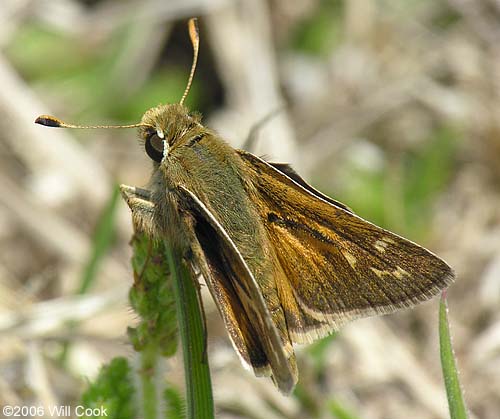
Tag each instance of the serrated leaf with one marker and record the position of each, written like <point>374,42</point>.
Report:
<point>112,391</point>
<point>152,297</point>
<point>175,405</point>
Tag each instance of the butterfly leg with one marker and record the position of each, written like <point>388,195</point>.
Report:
<point>197,286</point>
<point>139,202</point>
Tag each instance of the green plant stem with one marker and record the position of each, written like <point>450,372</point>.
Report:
<point>149,359</point>
<point>197,374</point>
<point>456,402</point>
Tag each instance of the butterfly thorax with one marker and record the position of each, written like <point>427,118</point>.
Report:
<point>199,160</point>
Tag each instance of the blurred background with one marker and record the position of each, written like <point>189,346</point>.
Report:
<point>389,106</point>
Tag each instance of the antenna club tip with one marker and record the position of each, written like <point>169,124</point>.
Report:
<point>193,30</point>
<point>195,40</point>
<point>48,121</point>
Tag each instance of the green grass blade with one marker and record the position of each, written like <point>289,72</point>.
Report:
<point>338,411</point>
<point>101,242</point>
<point>450,374</point>
<point>199,398</point>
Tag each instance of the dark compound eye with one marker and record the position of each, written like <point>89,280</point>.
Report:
<point>154,147</point>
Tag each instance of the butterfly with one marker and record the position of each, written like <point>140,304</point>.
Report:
<point>284,263</point>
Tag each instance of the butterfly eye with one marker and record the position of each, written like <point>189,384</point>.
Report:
<point>154,147</point>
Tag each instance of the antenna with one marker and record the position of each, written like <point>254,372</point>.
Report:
<point>52,121</point>
<point>194,35</point>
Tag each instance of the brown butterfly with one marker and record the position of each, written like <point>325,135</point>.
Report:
<point>284,263</point>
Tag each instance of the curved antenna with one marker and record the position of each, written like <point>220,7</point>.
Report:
<point>52,121</point>
<point>194,35</point>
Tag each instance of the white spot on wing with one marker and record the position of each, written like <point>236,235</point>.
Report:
<point>350,258</point>
<point>399,272</point>
<point>381,245</point>
<point>378,272</point>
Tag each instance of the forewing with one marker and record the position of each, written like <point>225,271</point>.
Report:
<point>238,298</point>
<point>338,266</point>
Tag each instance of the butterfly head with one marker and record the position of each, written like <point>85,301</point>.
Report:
<point>166,126</point>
